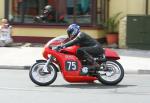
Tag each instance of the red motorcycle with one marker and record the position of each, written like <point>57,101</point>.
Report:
<point>44,72</point>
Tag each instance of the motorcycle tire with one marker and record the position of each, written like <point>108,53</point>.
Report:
<point>111,65</point>
<point>37,69</point>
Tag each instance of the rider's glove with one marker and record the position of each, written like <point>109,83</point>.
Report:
<point>58,48</point>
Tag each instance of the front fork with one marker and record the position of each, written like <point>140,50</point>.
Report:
<point>45,68</point>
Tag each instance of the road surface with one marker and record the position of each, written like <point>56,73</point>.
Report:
<point>16,87</point>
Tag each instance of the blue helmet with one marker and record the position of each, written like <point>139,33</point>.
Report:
<point>73,30</point>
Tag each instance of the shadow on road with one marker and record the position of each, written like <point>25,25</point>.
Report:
<point>91,86</point>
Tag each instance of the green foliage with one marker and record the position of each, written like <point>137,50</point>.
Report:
<point>112,24</point>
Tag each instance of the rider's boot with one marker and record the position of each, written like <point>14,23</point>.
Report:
<point>93,64</point>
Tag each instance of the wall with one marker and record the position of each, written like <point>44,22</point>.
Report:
<point>136,7</point>
<point>43,34</point>
<point>149,7</point>
<point>50,32</point>
<point>115,7</point>
<point>128,6</point>
<point>2,8</point>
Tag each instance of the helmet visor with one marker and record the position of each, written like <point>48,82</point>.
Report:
<point>70,32</point>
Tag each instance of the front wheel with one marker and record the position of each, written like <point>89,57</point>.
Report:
<point>40,78</point>
<point>112,74</point>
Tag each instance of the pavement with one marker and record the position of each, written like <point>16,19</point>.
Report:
<point>134,61</point>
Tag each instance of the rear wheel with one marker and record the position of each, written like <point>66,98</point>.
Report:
<point>112,74</point>
<point>40,78</point>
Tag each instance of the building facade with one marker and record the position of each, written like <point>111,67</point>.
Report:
<point>90,14</point>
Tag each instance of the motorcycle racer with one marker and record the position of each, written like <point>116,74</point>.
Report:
<point>89,47</point>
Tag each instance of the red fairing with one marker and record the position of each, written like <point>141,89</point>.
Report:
<point>70,50</point>
<point>110,54</point>
<point>66,59</point>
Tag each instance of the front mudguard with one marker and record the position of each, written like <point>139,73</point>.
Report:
<point>111,54</point>
<point>41,60</point>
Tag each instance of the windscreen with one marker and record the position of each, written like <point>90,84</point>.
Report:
<point>57,41</point>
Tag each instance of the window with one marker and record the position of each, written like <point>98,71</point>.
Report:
<point>64,11</point>
<point>79,11</point>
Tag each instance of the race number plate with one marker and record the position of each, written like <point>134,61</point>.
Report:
<point>71,66</point>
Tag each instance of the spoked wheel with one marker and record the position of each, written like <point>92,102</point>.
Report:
<point>112,73</point>
<point>39,77</point>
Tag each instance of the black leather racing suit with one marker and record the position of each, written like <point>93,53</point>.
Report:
<point>89,47</point>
